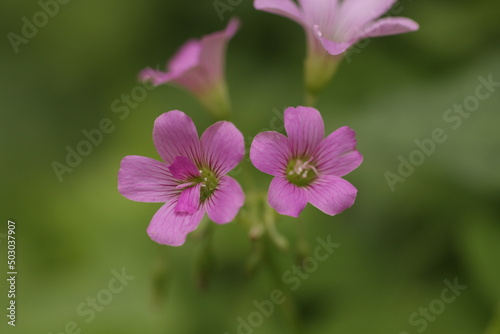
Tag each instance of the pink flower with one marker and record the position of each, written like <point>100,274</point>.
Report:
<point>339,24</point>
<point>198,66</point>
<point>332,26</point>
<point>191,180</point>
<point>306,166</point>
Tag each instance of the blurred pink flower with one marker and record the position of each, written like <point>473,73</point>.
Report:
<point>332,26</point>
<point>306,166</point>
<point>192,179</point>
<point>339,24</point>
<point>198,66</point>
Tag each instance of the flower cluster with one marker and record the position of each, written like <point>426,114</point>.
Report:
<point>191,180</point>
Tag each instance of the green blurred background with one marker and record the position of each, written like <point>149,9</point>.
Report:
<point>397,248</point>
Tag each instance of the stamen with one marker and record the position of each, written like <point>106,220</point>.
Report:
<point>301,172</point>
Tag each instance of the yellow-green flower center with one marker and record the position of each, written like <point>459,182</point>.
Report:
<point>209,183</point>
<point>301,172</point>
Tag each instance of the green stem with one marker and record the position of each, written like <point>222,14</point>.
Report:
<point>303,249</point>
<point>310,99</point>
<point>319,68</point>
<point>216,101</point>
<point>266,238</point>
<point>161,276</point>
<point>288,306</point>
<point>269,219</point>
<point>205,259</point>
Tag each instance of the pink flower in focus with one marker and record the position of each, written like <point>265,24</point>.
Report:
<point>198,66</point>
<point>191,180</point>
<point>306,166</point>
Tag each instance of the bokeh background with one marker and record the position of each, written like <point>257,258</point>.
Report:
<point>397,247</point>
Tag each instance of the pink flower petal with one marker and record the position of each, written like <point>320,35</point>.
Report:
<point>320,12</point>
<point>174,135</point>
<point>390,26</point>
<point>305,129</point>
<point>183,169</point>
<point>181,64</point>
<point>337,155</point>
<point>213,50</point>
<point>225,202</point>
<point>269,152</point>
<point>333,48</point>
<point>198,65</point>
<point>286,198</point>
<point>337,24</point>
<point>155,77</point>
<point>285,8</point>
<point>194,80</point>
<point>144,179</point>
<point>189,200</point>
<point>170,228</point>
<point>187,57</point>
<point>331,194</point>
<point>223,147</point>
<point>355,14</point>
